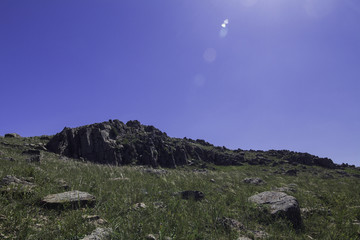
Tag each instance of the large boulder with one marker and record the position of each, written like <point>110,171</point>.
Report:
<point>72,199</point>
<point>281,205</point>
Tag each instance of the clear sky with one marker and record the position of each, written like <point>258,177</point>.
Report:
<point>249,74</point>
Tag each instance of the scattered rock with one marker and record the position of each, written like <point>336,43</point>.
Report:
<point>260,234</point>
<point>212,180</point>
<point>155,171</point>
<point>2,217</point>
<point>255,181</point>
<point>289,188</point>
<point>63,184</point>
<point>138,206</point>
<point>14,184</point>
<point>327,176</point>
<point>34,159</point>
<point>95,219</point>
<point>200,171</point>
<point>158,205</point>
<point>306,212</point>
<point>230,223</point>
<point>99,234</point>
<point>156,237</point>
<point>12,135</point>
<point>356,222</point>
<point>152,237</point>
<point>281,205</point>
<point>243,238</point>
<point>73,199</point>
<point>196,195</point>
<point>291,172</point>
<point>119,179</point>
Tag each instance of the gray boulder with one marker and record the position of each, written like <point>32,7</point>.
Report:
<point>281,205</point>
<point>72,199</point>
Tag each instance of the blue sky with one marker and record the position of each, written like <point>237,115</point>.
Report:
<point>282,74</point>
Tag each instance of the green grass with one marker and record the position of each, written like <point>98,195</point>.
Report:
<point>24,218</point>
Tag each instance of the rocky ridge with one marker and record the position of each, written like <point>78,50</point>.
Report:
<point>116,143</point>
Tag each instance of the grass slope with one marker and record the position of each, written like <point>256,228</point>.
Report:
<point>334,194</point>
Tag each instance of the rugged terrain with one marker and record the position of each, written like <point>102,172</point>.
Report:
<point>116,143</point>
<point>129,181</point>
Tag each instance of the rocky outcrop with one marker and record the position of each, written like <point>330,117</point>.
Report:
<point>12,135</point>
<point>281,205</point>
<point>302,158</point>
<point>114,142</point>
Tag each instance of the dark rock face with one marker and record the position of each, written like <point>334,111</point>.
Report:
<point>12,135</point>
<point>114,142</point>
<point>281,205</point>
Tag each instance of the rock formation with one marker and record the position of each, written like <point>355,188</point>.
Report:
<point>114,142</point>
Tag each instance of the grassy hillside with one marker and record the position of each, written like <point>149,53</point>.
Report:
<point>331,199</point>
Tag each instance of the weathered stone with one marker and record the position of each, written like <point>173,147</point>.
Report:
<point>281,205</point>
<point>231,224</point>
<point>255,181</point>
<point>138,206</point>
<point>152,237</point>
<point>159,205</point>
<point>285,189</point>
<point>95,219</point>
<point>34,159</point>
<point>306,212</point>
<point>73,199</point>
<point>63,184</point>
<point>155,171</point>
<point>99,234</point>
<point>12,135</point>
<point>14,184</point>
<point>119,179</point>
<point>291,172</point>
<point>243,238</point>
